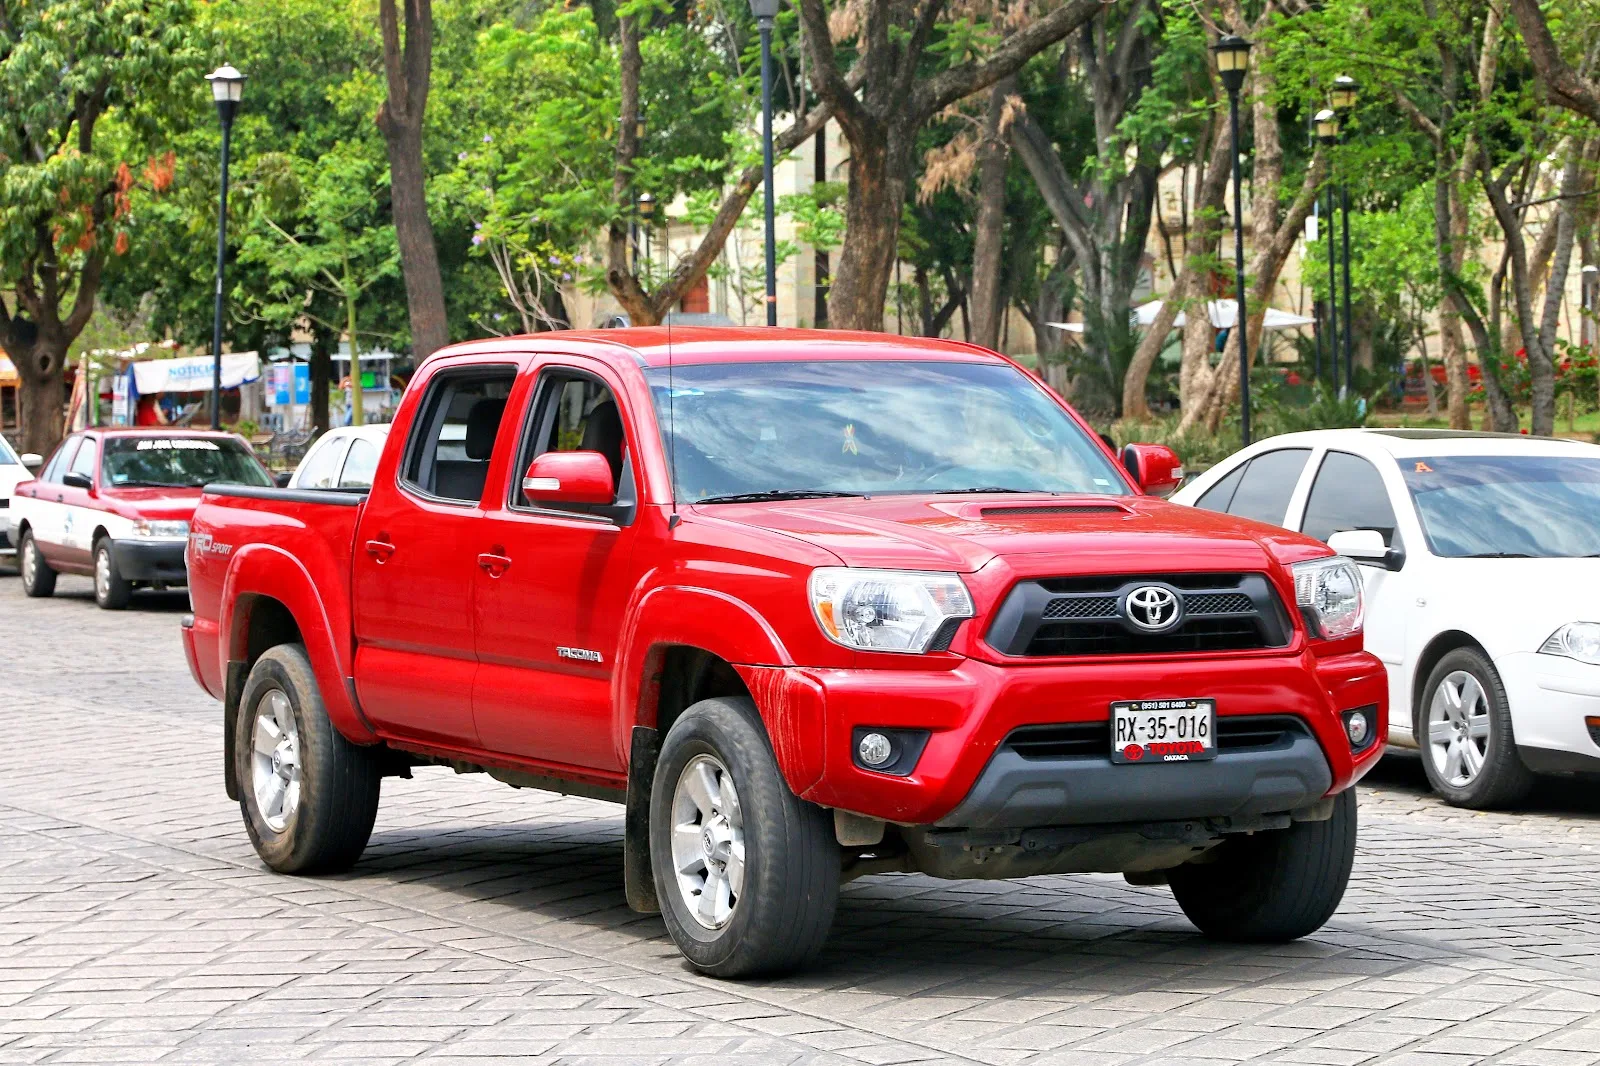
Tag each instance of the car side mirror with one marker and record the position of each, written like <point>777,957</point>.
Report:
<point>32,460</point>
<point>1156,468</point>
<point>75,480</point>
<point>1366,546</point>
<point>570,478</point>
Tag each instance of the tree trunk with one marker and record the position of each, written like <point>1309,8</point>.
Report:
<point>41,405</point>
<point>1565,228</point>
<point>988,237</point>
<point>409,71</point>
<point>873,204</point>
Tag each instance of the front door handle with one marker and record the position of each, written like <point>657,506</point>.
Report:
<point>494,563</point>
<point>380,550</point>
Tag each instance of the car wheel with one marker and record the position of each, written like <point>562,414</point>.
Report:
<point>37,577</point>
<point>747,873</point>
<point>1273,886</point>
<point>111,592</point>
<point>309,796</point>
<point>1469,749</point>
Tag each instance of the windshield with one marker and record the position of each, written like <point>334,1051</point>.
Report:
<point>7,456</point>
<point>1507,506</point>
<point>870,427</point>
<point>178,461</point>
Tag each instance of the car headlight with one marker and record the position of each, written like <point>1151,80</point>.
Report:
<point>143,528</point>
<point>1328,593</point>
<point>1575,640</point>
<point>885,610</point>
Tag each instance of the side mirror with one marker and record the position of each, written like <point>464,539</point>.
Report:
<point>32,460</point>
<point>1156,468</point>
<point>281,479</point>
<point>570,477</point>
<point>75,480</point>
<point>1366,546</point>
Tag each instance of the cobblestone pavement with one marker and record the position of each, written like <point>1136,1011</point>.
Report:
<point>137,926</point>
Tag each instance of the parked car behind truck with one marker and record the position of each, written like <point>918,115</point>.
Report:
<point>812,606</point>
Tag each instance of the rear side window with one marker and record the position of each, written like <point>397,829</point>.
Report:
<point>1348,494</point>
<point>321,468</point>
<point>60,461</point>
<point>447,456</point>
<point>1267,483</point>
<point>359,465</point>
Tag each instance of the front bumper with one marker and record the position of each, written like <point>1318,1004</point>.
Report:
<point>151,560</point>
<point>1550,696</point>
<point>964,778</point>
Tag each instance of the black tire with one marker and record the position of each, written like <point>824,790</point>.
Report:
<point>790,886</point>
<point>1502,780</point>
<point>111,592</point>
<point>1273,886</point>
<point>338,781</point>
<point>38,580</point>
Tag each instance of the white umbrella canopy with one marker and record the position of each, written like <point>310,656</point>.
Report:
<point>1221,312</point>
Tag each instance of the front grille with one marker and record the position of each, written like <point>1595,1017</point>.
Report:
<point>1068,616</point>
<point>1092,740</point>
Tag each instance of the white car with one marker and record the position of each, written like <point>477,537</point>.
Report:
<point>1481,559</point>
<point>343,458</point>
<point>14,469</point>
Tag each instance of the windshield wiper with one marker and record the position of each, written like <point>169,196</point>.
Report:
<point>1497,555</point>
<point>775,494</point>
<point>135,483</point>
<point>982,488</point>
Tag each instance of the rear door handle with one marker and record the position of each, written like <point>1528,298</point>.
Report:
<point>494,564</point>
<point>380,550</point>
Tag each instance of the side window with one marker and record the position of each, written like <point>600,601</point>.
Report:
<point>60,461</point>
<point>1348,494</point>
<point>453,437</point>
<point>84,462</point>
<point>359,465</point>
<point>575,412</point>
<point>1268,482</point>
<point>1220,495</point>
<point>321,468</point>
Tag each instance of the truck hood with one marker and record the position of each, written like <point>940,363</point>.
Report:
<point>167,503</point>
<point>965,533</point>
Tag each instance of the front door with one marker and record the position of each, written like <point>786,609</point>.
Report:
<point>415,562</point>
<point>79,518</point>
<point>47,511</point>
<point>553,588</point>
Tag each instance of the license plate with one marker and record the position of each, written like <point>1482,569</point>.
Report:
<point>1163,730</point>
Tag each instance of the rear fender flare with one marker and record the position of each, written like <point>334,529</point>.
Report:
<point>267,571</point>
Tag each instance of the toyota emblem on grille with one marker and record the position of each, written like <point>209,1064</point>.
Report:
<point>1152,608</point>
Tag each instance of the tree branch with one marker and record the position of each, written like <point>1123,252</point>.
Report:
<point>946,88</point>
<point>826,79</point>
<point>1562,85</point>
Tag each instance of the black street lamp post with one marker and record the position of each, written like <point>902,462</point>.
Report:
<point>1233,63</point>
<point>765,11</point>
<point>647,218</point>
<point>227,86</point>
<point>1328,133</point>
<point>1343,98</point>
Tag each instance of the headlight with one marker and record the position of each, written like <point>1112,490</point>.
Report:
<point>143,528</point>
<point>1328,593</point>
<point>885,610</point>
<point>1575,640</point>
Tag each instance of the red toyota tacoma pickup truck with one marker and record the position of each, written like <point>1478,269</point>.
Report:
<point>813,606</point>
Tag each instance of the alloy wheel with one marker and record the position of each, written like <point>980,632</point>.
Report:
<point>1458,728</point>
<point>275,760</point>
<point>708,844</point>
<point>102,573</point>
<point>30,563</point>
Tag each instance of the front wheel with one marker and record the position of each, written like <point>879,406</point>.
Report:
<point>1469,749</point>
<point>309,796</point>
<point>1273,886</point>
<point>38,580</point>
<point>111,592</point>
<point>747,873</point>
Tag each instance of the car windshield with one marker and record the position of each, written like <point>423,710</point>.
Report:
<point>793,429</point>
<point>1507,506</point>
<point>178,461</point>
<point>7,456</point>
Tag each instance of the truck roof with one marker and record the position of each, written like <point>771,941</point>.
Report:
<point>652,346</point>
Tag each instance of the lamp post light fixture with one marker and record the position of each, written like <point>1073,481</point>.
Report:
<point>1327,126</point>
<point>227,88</point>
<point>765,11</point>
<point>1343,96</point>
<point>647,218</point>
<point>1233,63</point>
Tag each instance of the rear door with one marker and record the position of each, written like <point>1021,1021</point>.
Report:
<point>555,582</point>
<point>415,558</point>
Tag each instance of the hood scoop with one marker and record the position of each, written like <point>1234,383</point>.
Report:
<point>1045,509</point>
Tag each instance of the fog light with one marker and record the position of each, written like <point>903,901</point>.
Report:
<point>875,749</point>
<point>1358,728</point>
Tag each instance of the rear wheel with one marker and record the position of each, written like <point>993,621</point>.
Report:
<point>309,797</point>
<point>1469,750</point>
<point>1272,886</point>
<point>111,592</point>
<point>37,577</point>
<point>747,873</point>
